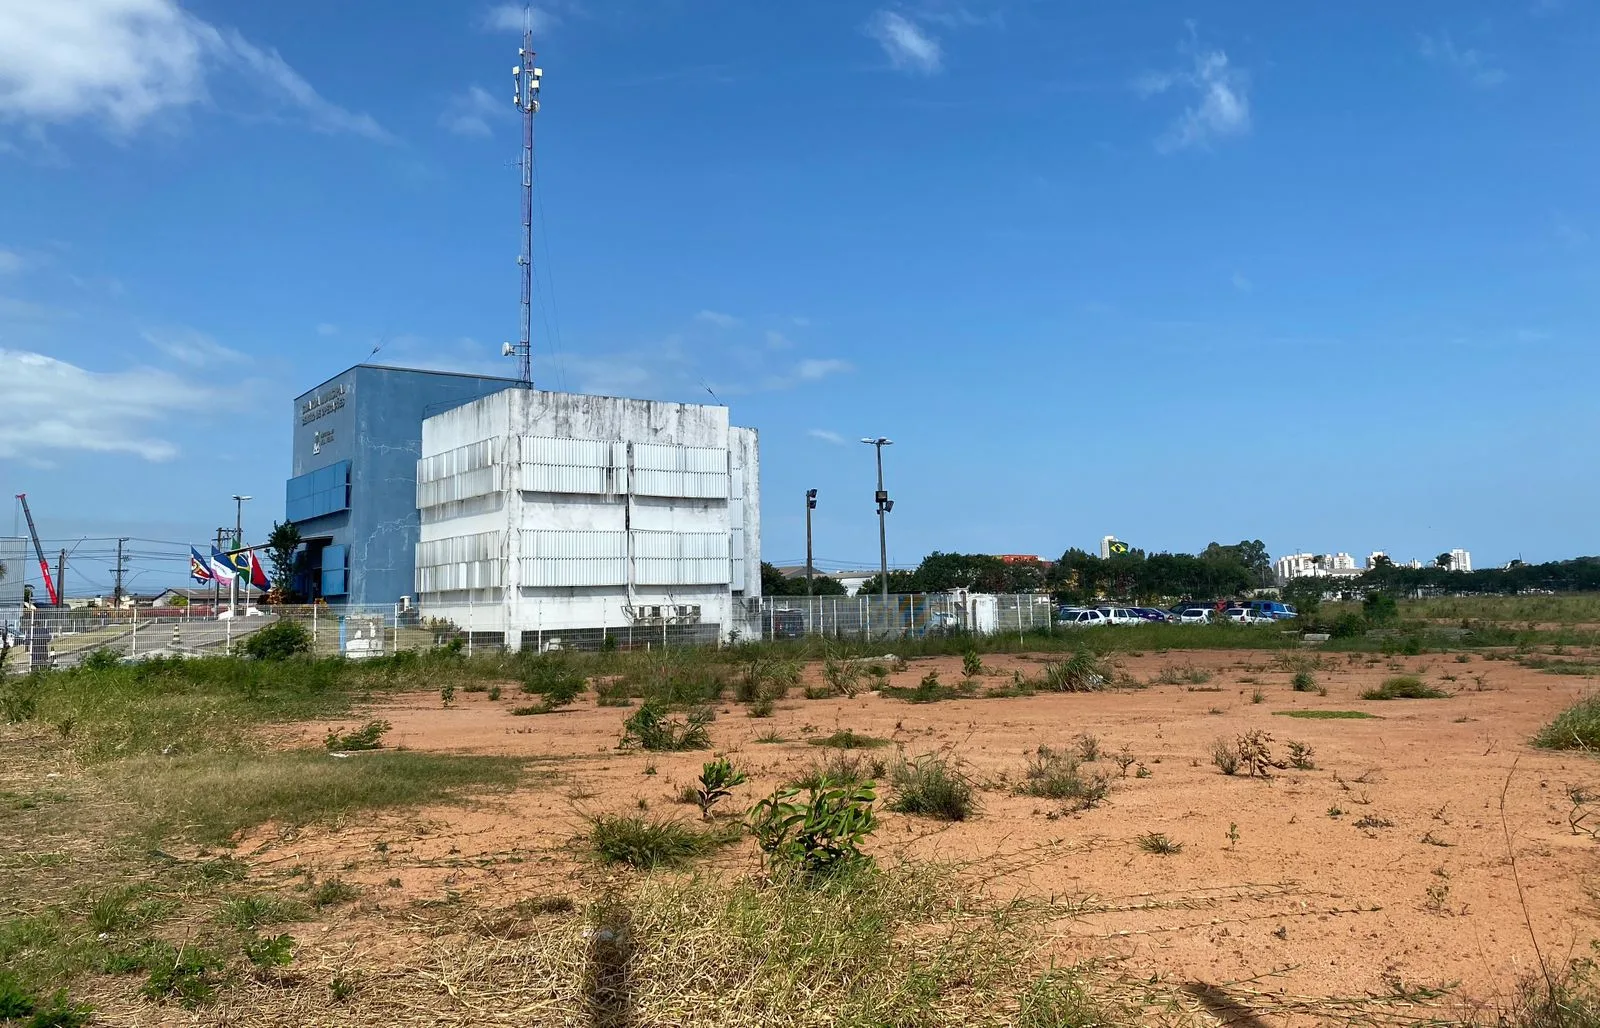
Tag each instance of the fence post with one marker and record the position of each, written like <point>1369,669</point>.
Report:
<point>313,626</point>
<point>133,639</point>
<point>469,622</point>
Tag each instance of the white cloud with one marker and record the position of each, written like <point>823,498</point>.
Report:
<point>126,61</point>
<point>815,370</point>
<point>907,46</point>
<point>777,340</point>
<point>516,17</point>
<point>47,404</point>
<point>826,436</point>
<point>193,348</point>
<point>11,262</point>
<point>327,329</point>
<point>1244,285</point>
<point>468,113</point>
<point>1220,100</point>
<point>1471,64</point>
<point>718,319</point>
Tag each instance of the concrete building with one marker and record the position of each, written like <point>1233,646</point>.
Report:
<point>357,438</point>
<point>1313,565</point>
<point>1110,545</point>
<point>15,561</point>
<point>558,519</point>
<point>1460,560</point>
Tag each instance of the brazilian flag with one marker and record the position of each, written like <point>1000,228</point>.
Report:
<point>1118,546</point>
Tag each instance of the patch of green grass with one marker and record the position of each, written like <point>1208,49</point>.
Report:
<point>1329,715</point>
<point>649,728</point>
<point>845,739</point>
<point>1575,728</point>
<point>840,769</point>
<point>1404,687</point>
<point>650,843</point>
<point>1159,844</point>
<point>931,787</point>
<point>1056,775</point>
<point>331,892</point>
<point>247,913</point>
<point>209,797</point>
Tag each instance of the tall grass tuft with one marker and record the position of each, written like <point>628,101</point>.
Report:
<point>1404,687</point>
<point>649,843</point>
<point>1575,728</point>
<point>931,787</point>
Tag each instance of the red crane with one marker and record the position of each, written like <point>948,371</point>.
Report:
<point>44,565</point>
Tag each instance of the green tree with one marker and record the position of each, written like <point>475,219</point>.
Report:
<point>1380,609</point>
<point>899,582</point>
<point>1444,561</point>
<point>282,543</point>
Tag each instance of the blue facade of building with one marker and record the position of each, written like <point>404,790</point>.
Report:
<point>353,490</point>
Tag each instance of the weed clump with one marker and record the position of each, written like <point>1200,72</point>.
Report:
<point>1404,687</point>
<point>1159,844</point>
<point>1225,755</point>
<point>1055,775</point>
<point>841,769</point>
<point>648,843</point>
<point>846,739</point>
<point>931,787</point>
<point>1304,681</point>
<point>820,835</point>
<point>649,728</point>
<point>1576,728</point>
<point>1081,672</point>
<point>717,779</point>
<point>279,641</point>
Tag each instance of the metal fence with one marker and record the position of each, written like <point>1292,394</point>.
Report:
<point>46,637</point>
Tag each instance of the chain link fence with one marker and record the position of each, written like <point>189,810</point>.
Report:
<point>62,638</point>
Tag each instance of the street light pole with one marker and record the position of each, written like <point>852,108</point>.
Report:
<point>811,505</point>
<point>238,541</point>
<point>885,505</point>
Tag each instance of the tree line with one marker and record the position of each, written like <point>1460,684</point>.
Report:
<point>1580,574</point>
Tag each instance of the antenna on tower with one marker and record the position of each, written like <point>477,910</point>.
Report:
<point>527,100</point>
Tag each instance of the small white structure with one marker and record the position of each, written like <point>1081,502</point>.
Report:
<point>563,516</point>
<point>1313,565</point>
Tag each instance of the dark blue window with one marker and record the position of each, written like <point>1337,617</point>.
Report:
<point>318,492</point>
<point>334,574</point>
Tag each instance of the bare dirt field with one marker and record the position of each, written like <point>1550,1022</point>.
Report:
<point>1384,870</point>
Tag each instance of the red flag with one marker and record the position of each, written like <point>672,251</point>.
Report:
<point>258,577</point>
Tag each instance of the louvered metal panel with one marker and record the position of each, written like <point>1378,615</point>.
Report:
<point>461,486</point>
<point>738,558</point>
<point>459,549</point>
<point>681,558</point>
<point>552,557</point>
<point>484,574</point>
<point>453,462</point>
<point>566,465</point>
<point>699,472</point>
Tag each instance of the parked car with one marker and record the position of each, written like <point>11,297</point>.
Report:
<point>1247,616</point>
<point>1121,615</point>
<point>1086,619</point>
<point>1152,614</point>
<point>1196,616</point>
<point>1275,610</point>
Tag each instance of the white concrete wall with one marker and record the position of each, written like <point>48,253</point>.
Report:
<point>686,541</point>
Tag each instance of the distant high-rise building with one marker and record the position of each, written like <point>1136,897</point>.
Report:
<point>1372,558</point>
<point>1460,560</point>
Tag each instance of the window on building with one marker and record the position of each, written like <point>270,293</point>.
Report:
<point>335,570</point>
<point>323,491</point>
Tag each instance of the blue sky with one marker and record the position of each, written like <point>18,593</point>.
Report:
<point>1327,277</point>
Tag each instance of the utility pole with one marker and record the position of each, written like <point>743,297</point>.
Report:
<point>238,544</point>
<point>116,595</point>
<point>526,99</point>
<point>811,505</point>
<point>216,586</point>
<point>885,505</point>
<point>61,577</point>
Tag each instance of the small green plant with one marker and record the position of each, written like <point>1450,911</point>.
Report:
<point>1159,844</point>
<point>1258,696</point>
<point>929,786</point>
<point>717,779</point>
<point>1336,811</point>
<point>880,675</point>
<point>1082,672</point>
<point>842,675</point>
<point>333,891</point>
<point>846,739</point>
<point>1404,687</point>
<point>762,706</point>
<point>1088,746</point>
<point>550,676</point>
<point>1124,759</point>
<point>649,728</point>
<point>771,736</point>
<point>270,951</point>
<point>1303,681</point>
<point>1225,754</point>
<point>971,664</point>
<point>186,975</point>
<point>819,834</point>
<point>1233,834</point>
<point>447,694</point>
<point>368,737</point>
<point>648,843</point>
<point>841,768</point>
<point>1329,715</point>
<point>1436,898</point>
<point>1373,821</point>
<point>1300,755</point>
<point>494,692</point>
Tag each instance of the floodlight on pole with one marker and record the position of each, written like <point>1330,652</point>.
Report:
<point>885,505</point>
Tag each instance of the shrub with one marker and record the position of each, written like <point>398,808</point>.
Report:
<point>333,891</point>
<point>1304,681</point>
<point>1404,687</point>
<point>1348,626</point>
<point>19,697</point>
<point>1300,755</point>
<point>1255,753</point>
<point>649,728</point>
<point>1088,746</point>
<point>1225,755</point>
<point>819,835</point>
<point>717,778</point>
<point>1380,609</point>
<point>929,786</point>
<point>1575,728</point>
<point>189,975</point>
<point>270,951</point>
<point>842,675</point>
<point>551,676</point>
<point>841,769</point>
<point>647,843</point>
<point>1058,776</point>
<point>971,664</point>
<point>368,737</point>
<point>278,641</point>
